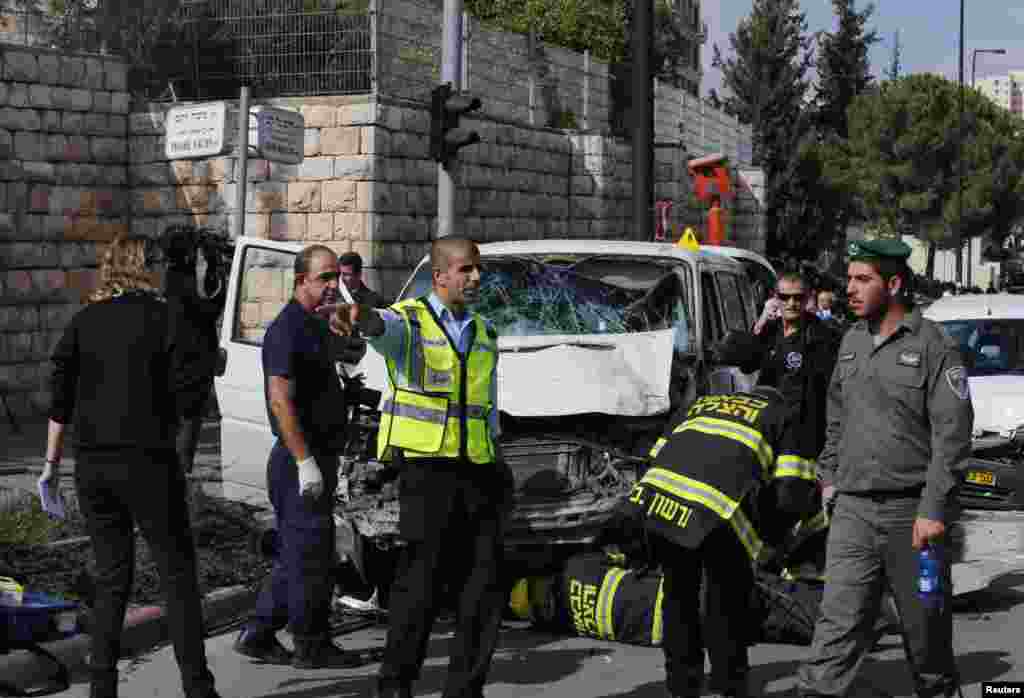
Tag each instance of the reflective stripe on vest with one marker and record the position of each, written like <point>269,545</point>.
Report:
<point>606,602</point>
<point>818,522</point>
<point>751,438</point>
<point>727,508</point>
<point>428,414</point>
<point>656,448</point>
<point>806,572</point>
<point>795,466</point>
<point>656,622</point>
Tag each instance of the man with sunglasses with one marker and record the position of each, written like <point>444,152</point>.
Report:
<point>799,354</point>
<point>308,415</point>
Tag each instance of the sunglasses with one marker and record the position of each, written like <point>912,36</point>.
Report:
<point>790,296</point>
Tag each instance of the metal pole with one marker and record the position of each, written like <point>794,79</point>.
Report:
<point>643,120</point>
<point>960,162</point>
<point>451,71</point>
<point>241,161</point>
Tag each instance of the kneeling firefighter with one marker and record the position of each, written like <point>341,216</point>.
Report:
<point>727,484</point>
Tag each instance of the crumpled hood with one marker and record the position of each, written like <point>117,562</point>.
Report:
<point>560,375</point>
<point>998,403</point>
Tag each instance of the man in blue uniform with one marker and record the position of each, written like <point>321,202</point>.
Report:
<point>308,415</point>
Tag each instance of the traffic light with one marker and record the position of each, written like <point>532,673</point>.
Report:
<point>446,138</point>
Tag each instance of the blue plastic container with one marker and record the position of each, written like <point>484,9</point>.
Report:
<point>39,618</point>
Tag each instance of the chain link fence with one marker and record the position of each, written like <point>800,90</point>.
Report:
<point>34,25</point>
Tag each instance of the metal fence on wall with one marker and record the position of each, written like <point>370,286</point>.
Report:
<point>34,27</point>
<point>277,47</point>
<point>524,81</point>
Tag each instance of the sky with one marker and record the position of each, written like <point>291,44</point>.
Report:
<point>929,32</point>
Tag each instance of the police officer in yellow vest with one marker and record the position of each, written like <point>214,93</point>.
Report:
<point>439,425</point>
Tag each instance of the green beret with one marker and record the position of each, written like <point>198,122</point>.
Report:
<point>878,250</point>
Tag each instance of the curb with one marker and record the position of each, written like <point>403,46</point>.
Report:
<point>144,627</point>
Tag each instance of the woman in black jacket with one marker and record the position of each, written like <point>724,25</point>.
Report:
<point>121,373</point>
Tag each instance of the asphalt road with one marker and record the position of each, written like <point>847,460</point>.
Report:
<point>989,628</point>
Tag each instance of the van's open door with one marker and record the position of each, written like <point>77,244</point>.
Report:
<point>260,285</point>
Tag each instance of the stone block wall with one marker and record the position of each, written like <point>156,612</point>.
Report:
<point>529,82</point>
<point>368,184</point>
<point>63,191</point>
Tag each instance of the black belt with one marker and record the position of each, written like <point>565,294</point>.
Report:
<point>885,495</point>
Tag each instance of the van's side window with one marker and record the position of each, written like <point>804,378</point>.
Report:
<point>712,330</point>
<point>267,281</point>
<point>732,302</point>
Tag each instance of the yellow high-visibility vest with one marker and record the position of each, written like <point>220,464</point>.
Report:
<point>440,406</point>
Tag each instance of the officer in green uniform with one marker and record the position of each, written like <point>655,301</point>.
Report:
<point>899,423</point>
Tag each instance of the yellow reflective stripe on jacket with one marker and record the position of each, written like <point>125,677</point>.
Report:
<point>656,448</point>
<point>691,490</point>
<point>414,367</point>
<point>791,576</point>
<point>656,622</point>
<point>795,466</point>
<point>747,535</point>
<point>429,414</point>
<point>751,438</point>
<point>606,602</point>
<point>818,522</point>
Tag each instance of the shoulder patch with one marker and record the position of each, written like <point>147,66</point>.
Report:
<point>910,358</point>
<point>957,379</point>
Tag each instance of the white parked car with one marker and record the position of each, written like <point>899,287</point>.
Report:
<point>990,331</point>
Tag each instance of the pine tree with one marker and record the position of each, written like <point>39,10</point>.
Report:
<point>766,77</point>
<point>896,60</point>
<point>844,70</point>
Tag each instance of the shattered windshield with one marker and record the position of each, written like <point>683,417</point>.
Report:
<point>526,296</point>
<point>990,347</point>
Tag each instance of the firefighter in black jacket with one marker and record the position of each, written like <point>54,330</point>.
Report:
<point>727,484</point>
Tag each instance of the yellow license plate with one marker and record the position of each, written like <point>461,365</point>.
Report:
<point>981,477</point>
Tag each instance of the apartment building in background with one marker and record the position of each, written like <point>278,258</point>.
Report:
<point>1005,90</point>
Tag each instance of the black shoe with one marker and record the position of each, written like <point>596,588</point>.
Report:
<point>319,652</point>
<point>262,647</point>
<point>387,688</point>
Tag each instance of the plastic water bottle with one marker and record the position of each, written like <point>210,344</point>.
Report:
<point>929,577</point>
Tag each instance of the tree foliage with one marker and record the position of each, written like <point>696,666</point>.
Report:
<point>766,77</point>
<point>844,70</point>
<point>899,164</point>
<point>895,59</point>
<point>604,27</point>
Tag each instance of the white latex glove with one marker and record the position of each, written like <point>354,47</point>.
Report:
<point>311,482</point>
<point>49,490</point>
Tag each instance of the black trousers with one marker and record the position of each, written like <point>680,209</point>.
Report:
<point>724,630</point>
<point>117,490</point>
<point>189,429</point>
<point>453,518</point>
